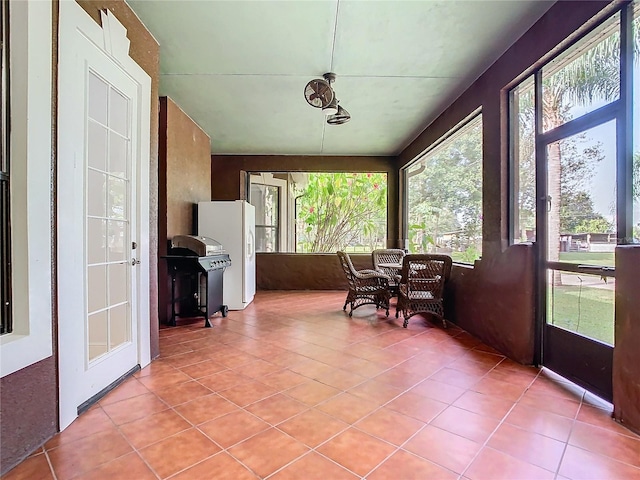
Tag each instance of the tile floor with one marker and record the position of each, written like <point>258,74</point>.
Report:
<point>292,388</point>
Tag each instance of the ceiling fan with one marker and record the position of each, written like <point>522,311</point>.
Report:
<point>320,94</point>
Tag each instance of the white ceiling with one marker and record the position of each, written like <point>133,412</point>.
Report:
<point>238,68</point>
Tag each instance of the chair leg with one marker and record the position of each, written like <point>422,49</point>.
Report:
<point>406,321</point>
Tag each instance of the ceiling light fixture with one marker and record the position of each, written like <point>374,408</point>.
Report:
<point>319,93</point>
<point>341,116</point>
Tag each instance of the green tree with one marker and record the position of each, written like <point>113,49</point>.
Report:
<point>337,210</point>
<point>445,195</point>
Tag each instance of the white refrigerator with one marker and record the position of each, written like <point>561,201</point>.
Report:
<point>233,224</point>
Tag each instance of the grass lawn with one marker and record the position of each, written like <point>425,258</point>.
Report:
<point>589,258</point>
<point>589,311</point>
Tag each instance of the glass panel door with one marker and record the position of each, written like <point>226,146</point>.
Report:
<point>581,214</point>
<point>108,219</point>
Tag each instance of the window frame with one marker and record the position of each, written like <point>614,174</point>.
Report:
<point>5,178</point>
<point>31,34</point>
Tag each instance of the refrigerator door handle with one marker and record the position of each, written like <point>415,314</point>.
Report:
<point>250,245</point>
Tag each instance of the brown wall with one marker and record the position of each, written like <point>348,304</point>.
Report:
<point>228,176</point>
<point>626,354</point>
<point>184,179</point>
<point>304,271</point>
<point>496,318</point>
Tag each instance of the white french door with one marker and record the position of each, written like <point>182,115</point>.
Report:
<point>102,306</point>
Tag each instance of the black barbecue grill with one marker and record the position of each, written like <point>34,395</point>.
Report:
<point>196,265</point>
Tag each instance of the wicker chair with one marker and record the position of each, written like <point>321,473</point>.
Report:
<point>422,286</point>
<point>366,287</point>
<point>388,255</point>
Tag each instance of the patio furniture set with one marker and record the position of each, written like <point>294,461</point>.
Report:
<point>417,280</point>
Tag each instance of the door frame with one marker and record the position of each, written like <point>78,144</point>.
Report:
<point>588,352</point>
<point>111,40</point>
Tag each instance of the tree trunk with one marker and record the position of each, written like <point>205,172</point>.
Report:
<point>554,174</point>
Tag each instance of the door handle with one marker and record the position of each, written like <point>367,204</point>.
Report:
<point>134,262</point>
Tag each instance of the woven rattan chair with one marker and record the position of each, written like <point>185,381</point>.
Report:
<point>422,286</point>
<point>366,287</point>
<point>388,255</point>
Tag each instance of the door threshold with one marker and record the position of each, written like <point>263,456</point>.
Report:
<point>84,406</point>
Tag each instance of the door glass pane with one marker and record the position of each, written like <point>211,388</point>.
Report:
<point>118,326</point>
<point>582,197</point>
<point>97,146</point>
<point>118,282</point>
<point>118,245</point>
<point>98,94</point>
<point>96,186</point>
<point>96,287</point>
<point>119,110</point>
<point>582,303</point>
<point>583,78</point>
<point>118,150</point>
<point>98,332</point>
<point>96,241</point>
<point>523,162</point>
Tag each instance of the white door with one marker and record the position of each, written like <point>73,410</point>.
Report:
<point>100,249</point>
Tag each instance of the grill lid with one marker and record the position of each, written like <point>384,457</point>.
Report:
<point>202,246</point>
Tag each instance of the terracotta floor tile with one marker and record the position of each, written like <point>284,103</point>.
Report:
<point>312,392</point>
<point>602,418</point>
<point>154,368</point>
<point>93,421</point>
<point>257,369</point>
<point>493,386</point>
<point>313,467</point>
<point>284,379</point>
<point>233,428</point>
<point>444,448</point>
<point>185,359</point>
<point>268,451</point>
<point>442,392</point>
<point>223,380</point>
<point>164,379</point>
<point>540,421</point>
<point>560,388</point>
<point>455,377</point>
<point>482,404</point>
<point>364,368</point>
<point>203,369</point>
<point>221,466</point>
<point>356,451</point>
<point>154,428</point>
<point>176,453</point>
<point>606,442</point>
<point>247,393</point>
<point>559,406</point>
<point>312,427</point>
<point>390,426</point>
<point>494,465</point>
<point>134,408</point>
<point>401,378</point>
<point>33,468</point>
<point>530,447</point>
<point>206,408</point>
<point>405,466</point>
<point>417,406</point>
<point>340,379</point>
<point>466,424</point>
<point>75,458</point>
<point>376,391</point>
<point>130,388</point>
<point>182,393</point>
<point>127,467</point>
<point>276,409</point>
<point>579,464</point>
<point>347,407</point>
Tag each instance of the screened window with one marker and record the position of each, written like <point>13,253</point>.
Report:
<point>444,196</point>
<point>5,207</point>
<point>318,212</point>
<point>523,162</point>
